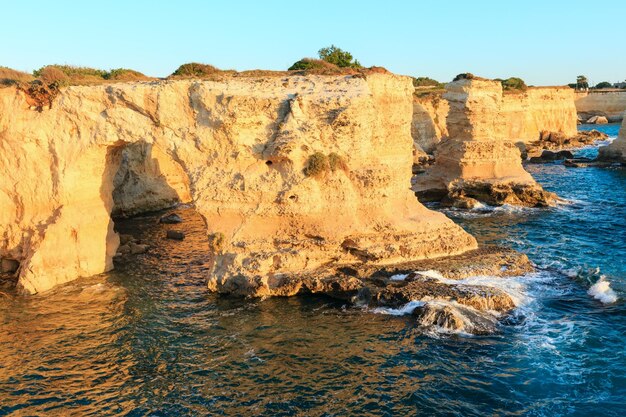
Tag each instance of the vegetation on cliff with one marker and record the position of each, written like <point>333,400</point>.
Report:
<point>513,84</point>
<point>331,60</point>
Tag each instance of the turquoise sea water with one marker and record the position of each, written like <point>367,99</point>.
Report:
<point>148,339</point>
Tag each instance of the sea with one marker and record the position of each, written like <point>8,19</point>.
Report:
<point>148,339</point>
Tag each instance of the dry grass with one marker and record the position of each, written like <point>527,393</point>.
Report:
<point>10,76</point>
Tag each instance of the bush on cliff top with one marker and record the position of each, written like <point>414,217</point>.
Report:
<point>332,61</point>
<point>423,82</point>
<point>64,75</point>
<point>195,70</point>
<point>339,57</point>
<point>513,84</point>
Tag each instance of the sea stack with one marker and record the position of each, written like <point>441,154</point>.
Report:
<point>476,162</point>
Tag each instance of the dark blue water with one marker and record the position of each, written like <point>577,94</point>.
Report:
<point>149,340</point>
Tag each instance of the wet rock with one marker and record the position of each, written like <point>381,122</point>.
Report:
<point>550,156</point>
<point>125,239</point>
<point>124,249</point>
<point>556,141</point>
<point>497,194</point>
<point>136,249</point>
<point>172,218</point>
<point>456,318</point>
<point>460,202</point>
<point>175,235</point>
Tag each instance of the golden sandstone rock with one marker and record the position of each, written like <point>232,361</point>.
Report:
<point>478,160</point>
<point>237,148</point>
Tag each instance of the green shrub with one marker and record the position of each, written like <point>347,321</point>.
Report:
<point>317,165</point>
<point>339,57</point>
<point>513,84</point>
<point>52,75</point>
<point>604,84</point>
<point>216,242</point>
<point>426,82</point>
<point>195,70</point>
<point>464,76</point>
<point>306,64</point>
<point>74,72</point>
<point>124,74</point>
<point>336,161</point>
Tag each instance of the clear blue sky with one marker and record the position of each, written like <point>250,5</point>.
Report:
<point>544,42</point>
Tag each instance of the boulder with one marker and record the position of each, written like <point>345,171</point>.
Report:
<point>124,239</point>
<point>124,249</point>
<point>136,248</point>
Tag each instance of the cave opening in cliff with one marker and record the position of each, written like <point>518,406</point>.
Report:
<point>150,211</point>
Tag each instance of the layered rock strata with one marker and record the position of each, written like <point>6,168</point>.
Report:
<point>477,161</point>
<point>290,173</point>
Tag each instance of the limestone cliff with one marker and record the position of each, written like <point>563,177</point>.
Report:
<point>610,104</point>
<point>429,121</point>
<point>616,151</point>
<point>478,160</point>
<point>526,114</point>
<point>240,148</point>
<point>523,116</point>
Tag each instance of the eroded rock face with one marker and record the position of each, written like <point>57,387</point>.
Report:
<point>429,121</point>
<point>526,114</point>
<point>616,151</point>
<point>238,147</point>
<point>609,104</point>
<point>148,180</point>
<point>523,116</point>
<point>477,160</point>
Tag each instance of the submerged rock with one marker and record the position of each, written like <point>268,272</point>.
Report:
<point>456,318</point>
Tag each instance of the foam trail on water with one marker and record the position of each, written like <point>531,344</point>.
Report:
<point>602,291</point>
<point>408,308</point>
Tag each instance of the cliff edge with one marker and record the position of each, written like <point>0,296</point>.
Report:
<point>290,173</point>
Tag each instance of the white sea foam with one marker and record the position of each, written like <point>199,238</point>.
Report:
<point>398,277</point>
<point>602,291</point>
<point>408,308</point>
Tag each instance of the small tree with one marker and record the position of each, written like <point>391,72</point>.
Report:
<point>604,84</point>
<point>338,57</point>
<point>581,83</point>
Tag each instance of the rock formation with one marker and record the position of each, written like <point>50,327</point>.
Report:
<point>429,121</point>
<point>609,104</point>
<point>527,113</point>
<point>616,151</point>
<point>523,115</point>
<point>290,173</point>
<point>478,161</point>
